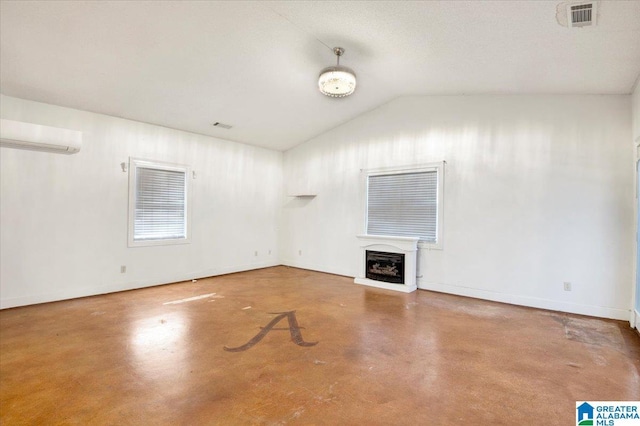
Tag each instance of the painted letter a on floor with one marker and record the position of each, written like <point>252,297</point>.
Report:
<point>294,330</point>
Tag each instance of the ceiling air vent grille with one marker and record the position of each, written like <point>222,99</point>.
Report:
<point>582,15</point>
<point>221,125</point>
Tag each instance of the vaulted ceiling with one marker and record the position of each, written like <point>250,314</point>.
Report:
<point>254,64</point>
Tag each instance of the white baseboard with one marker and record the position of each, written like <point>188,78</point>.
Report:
<point>532,302</point>
<point>241,268</point>
<point>113,288</point>
<point>636,320</point>
<point>597,311</point>
<point>316,267</point>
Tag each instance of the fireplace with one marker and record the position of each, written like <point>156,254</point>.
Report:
<point>387,267</point>
<point>388,262</point>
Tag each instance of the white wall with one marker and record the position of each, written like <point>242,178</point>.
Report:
<point>635,319</point>
<point>538,190</point>
<point>63,218</point>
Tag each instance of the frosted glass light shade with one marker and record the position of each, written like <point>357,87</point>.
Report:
<point>337,81</point>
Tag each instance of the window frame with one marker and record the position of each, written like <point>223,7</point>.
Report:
<point>438,167</point>
<point>134,164</point>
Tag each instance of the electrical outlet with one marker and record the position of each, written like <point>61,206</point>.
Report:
<point>269,251</point>
<point>299,252</point>
<point>567,286</point>
<point>123,269</point>
<point>255,253</point>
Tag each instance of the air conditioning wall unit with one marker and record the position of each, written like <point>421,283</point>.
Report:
<point>35,137</point>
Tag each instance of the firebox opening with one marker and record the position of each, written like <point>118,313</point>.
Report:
<point>384,266</point>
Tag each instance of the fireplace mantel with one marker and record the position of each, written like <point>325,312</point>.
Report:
<point>390,244</point>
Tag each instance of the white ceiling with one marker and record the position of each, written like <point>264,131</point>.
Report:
<point>254,64</point>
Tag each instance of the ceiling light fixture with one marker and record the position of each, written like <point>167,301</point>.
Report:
<point>337,81</point>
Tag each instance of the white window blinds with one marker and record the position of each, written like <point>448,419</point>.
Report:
<point>403,204</point>
<point>159,203</point>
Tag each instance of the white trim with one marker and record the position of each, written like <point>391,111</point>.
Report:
<point>14,302</point>
<point>134,163</point>
<point>532,302</point>
<point>597,311</point>
<point>407,168</point>
<point>439,168</point>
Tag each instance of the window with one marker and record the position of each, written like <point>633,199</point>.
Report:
<point>158,203</point>
<point>406,202</point>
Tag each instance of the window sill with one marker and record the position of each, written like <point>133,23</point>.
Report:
<point>429,246</point>
<point>167,242</point>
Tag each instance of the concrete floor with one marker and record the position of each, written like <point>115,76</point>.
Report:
<point>382,357</point>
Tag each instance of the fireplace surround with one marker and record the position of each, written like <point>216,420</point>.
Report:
<point>388,262</point>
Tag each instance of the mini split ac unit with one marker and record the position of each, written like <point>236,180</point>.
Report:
<point>16,134</point>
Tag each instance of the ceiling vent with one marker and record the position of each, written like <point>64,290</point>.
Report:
<point>221,125</point>
<point>581,14</point>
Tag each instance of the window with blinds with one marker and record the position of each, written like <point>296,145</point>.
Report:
<point>405,204</point>
<point>157,203</point>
